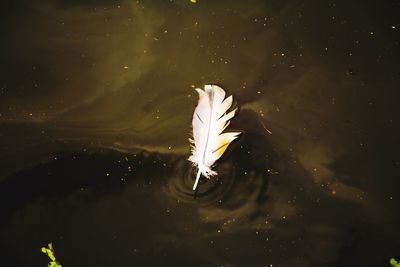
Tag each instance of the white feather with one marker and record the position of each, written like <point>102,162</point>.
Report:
<point>210,119</point>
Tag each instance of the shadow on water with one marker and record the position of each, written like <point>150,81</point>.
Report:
<point>242,172</point>
<point>102,173</point>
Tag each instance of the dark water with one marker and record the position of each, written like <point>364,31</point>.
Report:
<point>96,101</point>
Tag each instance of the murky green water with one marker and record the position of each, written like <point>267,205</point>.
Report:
<point>95,112</point>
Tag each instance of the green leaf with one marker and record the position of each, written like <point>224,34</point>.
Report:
<point>50,253</point>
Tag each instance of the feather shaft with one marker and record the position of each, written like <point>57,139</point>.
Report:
<point>197,180</point>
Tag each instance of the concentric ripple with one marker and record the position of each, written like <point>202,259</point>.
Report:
<point>209,191</point>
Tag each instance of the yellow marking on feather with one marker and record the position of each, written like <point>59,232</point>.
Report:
<point>222,146</point>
